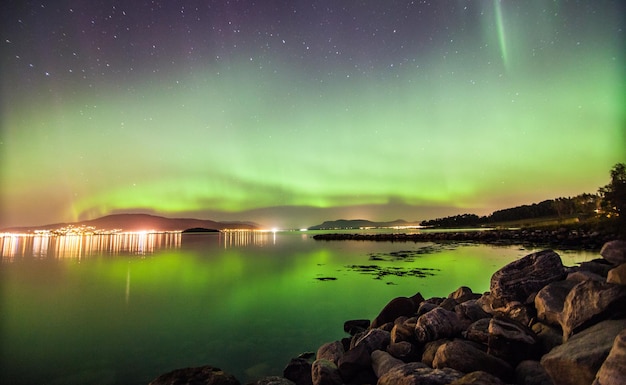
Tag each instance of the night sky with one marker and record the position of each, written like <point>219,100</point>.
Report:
<point>289,113</point>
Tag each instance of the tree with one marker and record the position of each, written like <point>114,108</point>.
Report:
<point>614,193</point>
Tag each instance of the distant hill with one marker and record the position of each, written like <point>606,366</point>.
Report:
<point>347,224</point>
<point>139,222</point>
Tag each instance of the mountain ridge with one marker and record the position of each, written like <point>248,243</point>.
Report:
<point>347,224</point>
<point>141,222</point>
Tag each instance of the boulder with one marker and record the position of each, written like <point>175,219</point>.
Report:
<point>577,361</point>
<point>510,340</point>
<point>614,252</point>
<point>550,299</point>
<point>324,372</point>
<point>478,378</point>
<point>353,327</point>
<point>470,311</point>
<point>208,375</point>
<point>436,324</point>
<point>400,306</point>
<point>331,351</point>
<point>416,373</point>
<point>374,339</point>
<point>613,370</point>
<point>531,373</point>
<point>448,304</point>
<point>463,294</point>
<point>598,266</point>
<point>425,307</point>
<point>274,380</point>
<point>617,275</point>
<point>382,362</point>
<point>579,276</point>
<point>519,279</point>
<point>430,349</point>
<point>354,361</point>
<point>403,331</point>
<point>589,302</point>
<point>548,337</point>
<point>478,331</point>
<point>465,357</point>
<point>298,370</point>
<point>404,351</point>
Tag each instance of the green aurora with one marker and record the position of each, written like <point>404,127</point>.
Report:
<point>524,105</point>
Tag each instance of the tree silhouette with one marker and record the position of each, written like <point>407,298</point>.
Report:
<point>614,193</point>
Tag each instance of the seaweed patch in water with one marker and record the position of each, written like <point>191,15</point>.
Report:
<point>380,272</point>
<point>410,255</point>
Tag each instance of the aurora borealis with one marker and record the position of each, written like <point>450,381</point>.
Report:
<point>291,113</point>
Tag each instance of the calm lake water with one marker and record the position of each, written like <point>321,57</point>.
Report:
<point>122,309</point>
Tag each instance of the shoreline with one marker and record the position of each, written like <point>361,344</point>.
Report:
<point>562,239</point>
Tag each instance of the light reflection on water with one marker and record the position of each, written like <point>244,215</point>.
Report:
<point>121,309</point>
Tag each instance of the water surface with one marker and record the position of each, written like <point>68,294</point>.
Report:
<point>122,309</point>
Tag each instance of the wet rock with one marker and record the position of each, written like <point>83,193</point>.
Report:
<point>465,357</point>
<point>448,304</point>
<point>298,370</point>
<point>550,299</point>
<point>416,373</point>
<point>208,375</point>
<point>353,327</point>
<point>430,349</point>
<point>617,275</point>
<point>382,362</point>
<point>590,301</point>
<point>470,311</point>
<point>324,372</point>
<point>510,340</point>
<point>404,351</point>
<point>436,324</point>
<point>519,279</point>
<point>425,307</point>
<point>331,351</point>
<point>354,361</point>
<point>478,378</point>
<point>274,380</point>
<point>614,252</point>
<point>400,306</point>
<point>404,331</point>
<point>548,337</point>
<point>374,339</point>
<point>463,294</point>
<point>613,370</point>
<point>577,361</point>
<point>598,266</point>
<point>478,331</point>
<point>531,373</point>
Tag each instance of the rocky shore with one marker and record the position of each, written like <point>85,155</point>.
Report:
<point>541,323</point>
<point>562,239</point>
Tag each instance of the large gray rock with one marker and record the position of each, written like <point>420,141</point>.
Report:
<point>416,373</point>
<point>617,275</point>
<point>331,351</point>
<point>382,362</point>
<point>614,252</point>
<point>324,372</point>
<point>550,299</point>
<point>589,302</point>
<point>208,375</point>
<point>519,279</point>
<point>465,357</point>
<point>577,361</point>
<point>436,324</point>
<point>613,370</point>
<point>531,373</point>
<point>478,331</point>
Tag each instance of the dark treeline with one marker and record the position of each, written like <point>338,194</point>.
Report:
<point>583,205</point>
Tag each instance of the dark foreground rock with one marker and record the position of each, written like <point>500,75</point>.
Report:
<point>541,323</point>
